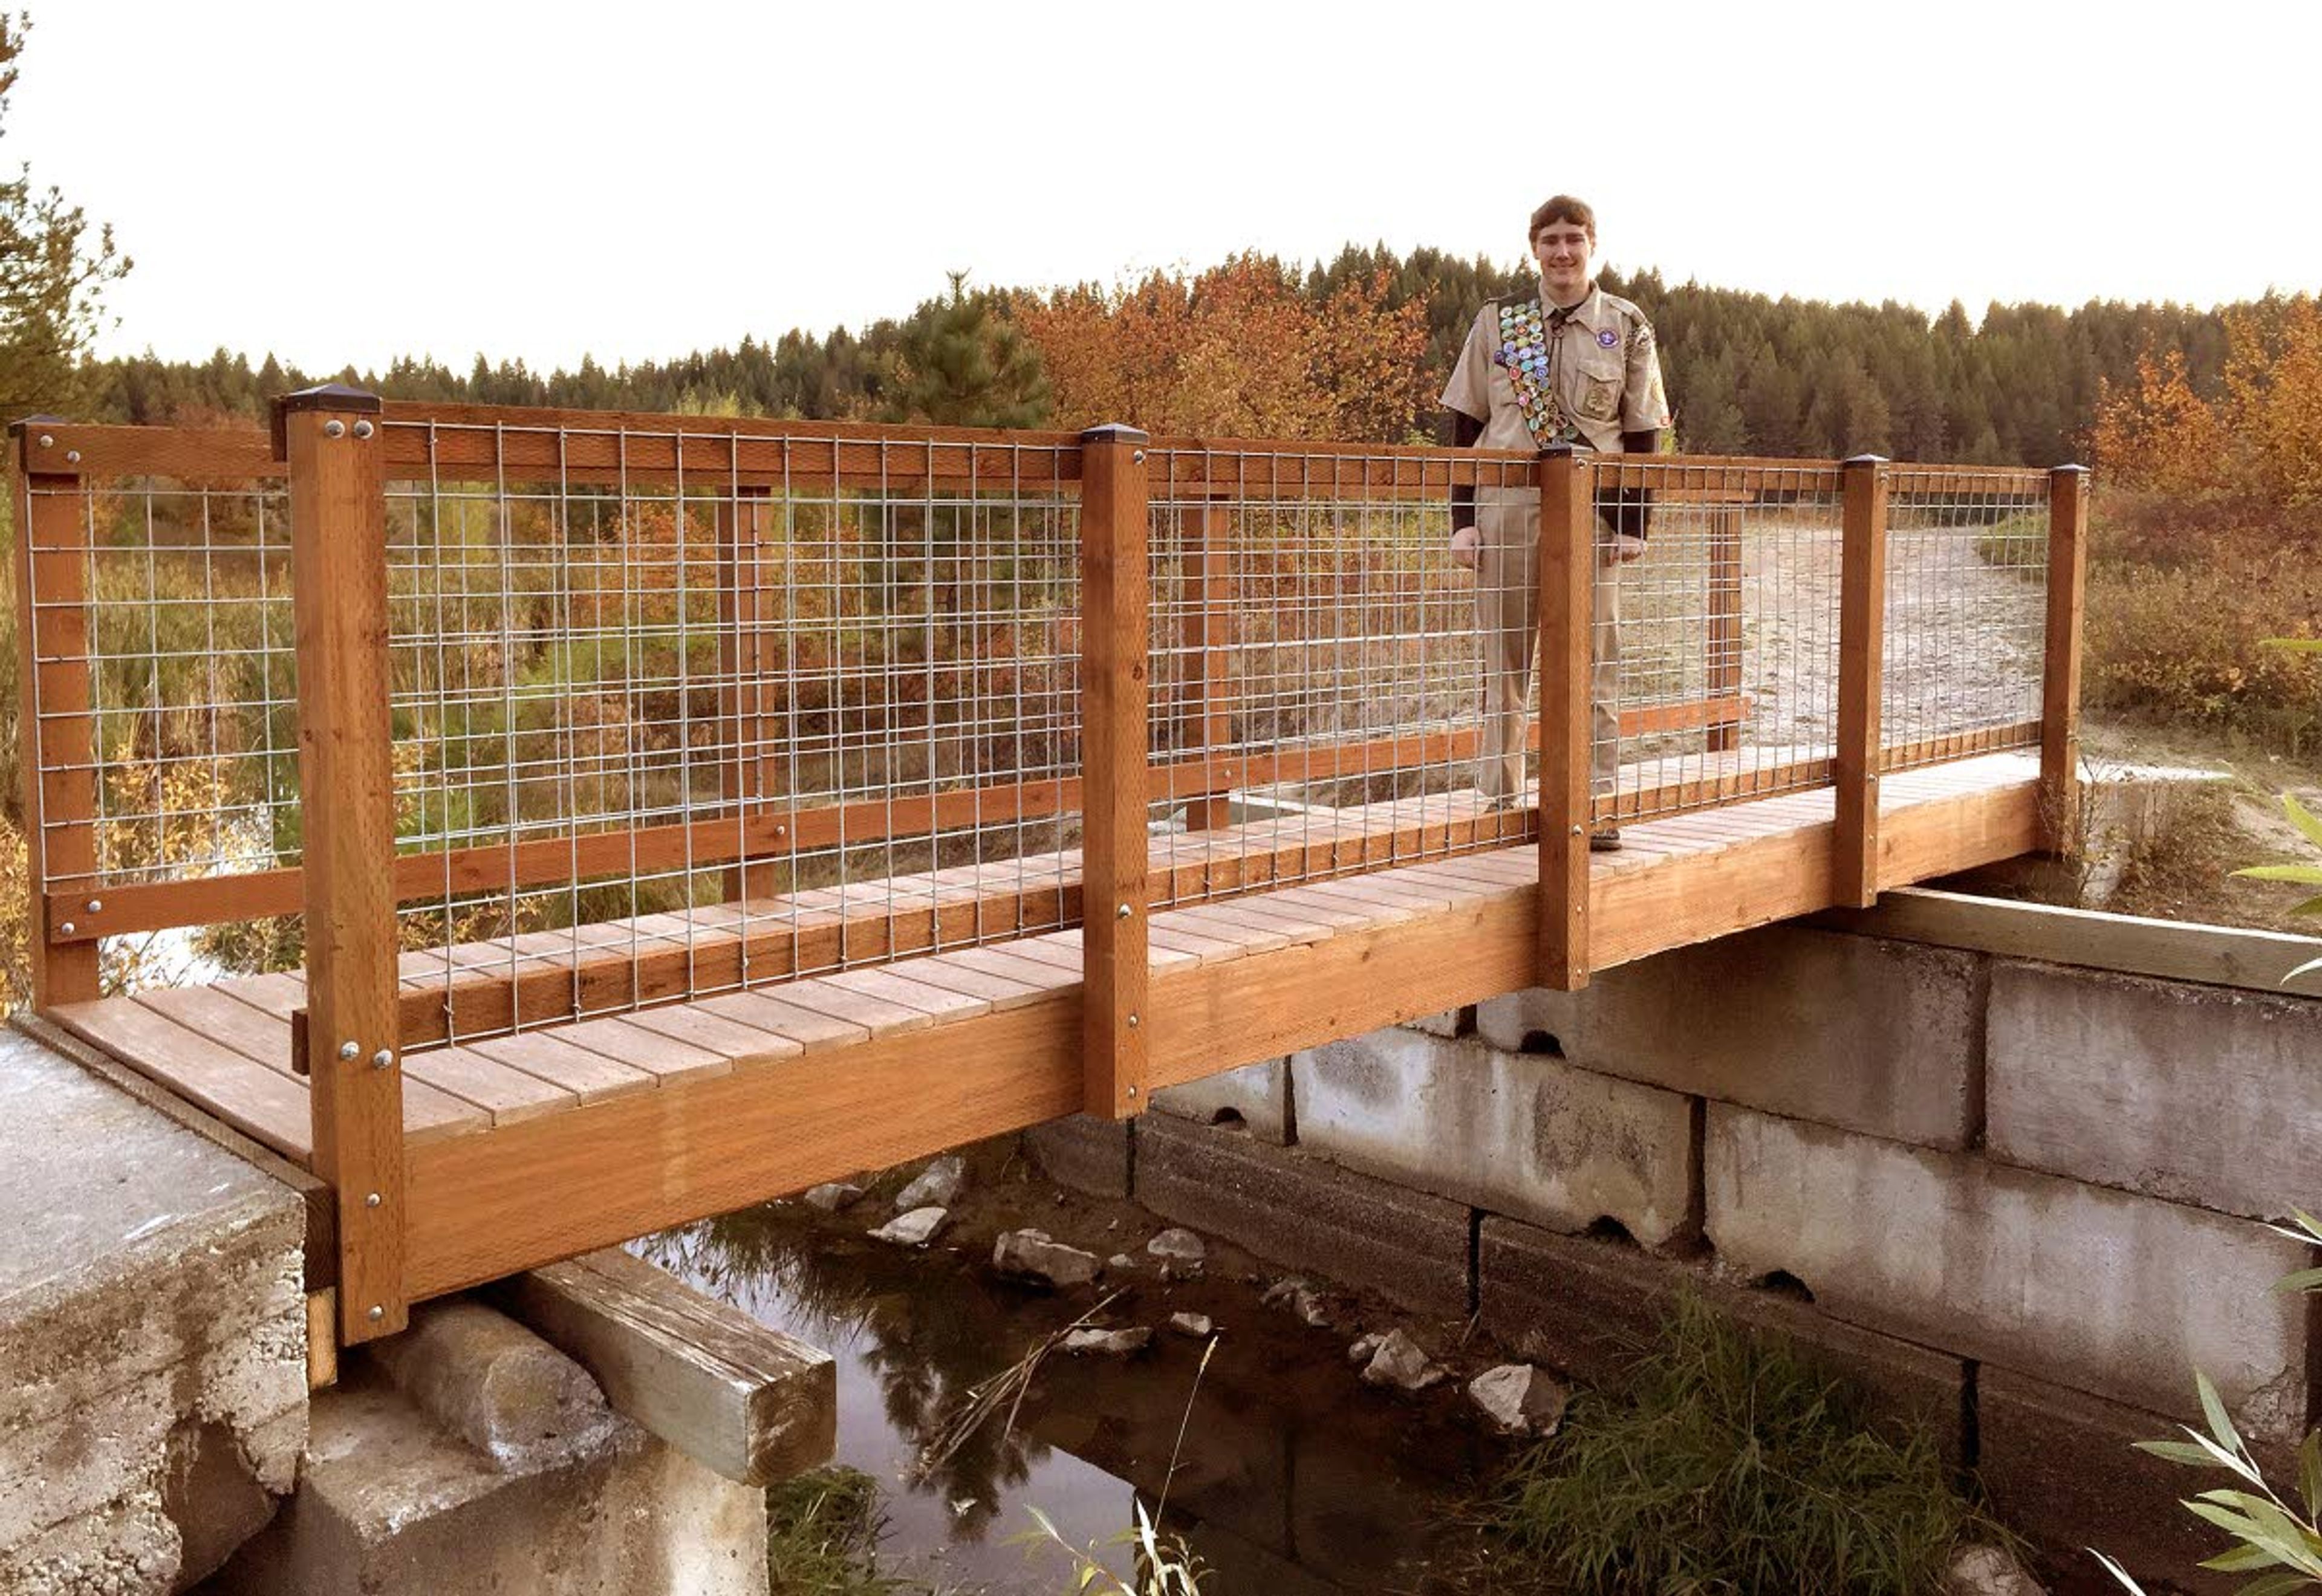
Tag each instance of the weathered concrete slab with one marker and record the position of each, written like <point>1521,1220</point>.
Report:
<point>153,1327</point>
<point>1084,1152</point>
<point>2062,1466</point>
<point>1877,1036</point>
<point>2202,1095</point>
<point>1256,1096</point>
<point>1306,1214</point>
<point>1534,1138</point>
<point>391,1505</point>
<point>2105,1291</point>
<point>1589,1308</point>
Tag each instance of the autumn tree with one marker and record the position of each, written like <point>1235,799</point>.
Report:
<point>53,273</point>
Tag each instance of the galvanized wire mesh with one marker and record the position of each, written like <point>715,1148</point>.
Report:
<point>736,724</point>
<point>161,702</point>
<point>1726,640</point>
<point>1315,664</point>
<point>1967,589</point>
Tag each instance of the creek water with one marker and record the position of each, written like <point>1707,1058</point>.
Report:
<point>1290,1477</point>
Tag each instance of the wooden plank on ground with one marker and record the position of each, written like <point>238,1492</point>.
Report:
<point>740,1398</point>
<point>264,1104</point>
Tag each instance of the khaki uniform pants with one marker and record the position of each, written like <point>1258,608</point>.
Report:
<point>1507,622</point>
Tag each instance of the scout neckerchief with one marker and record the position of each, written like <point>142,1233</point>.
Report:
<point>1531,361</point>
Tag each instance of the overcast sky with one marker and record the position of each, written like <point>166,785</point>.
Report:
<point>339,183</point>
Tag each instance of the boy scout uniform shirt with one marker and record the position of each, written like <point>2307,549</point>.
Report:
<point>1604,368</point>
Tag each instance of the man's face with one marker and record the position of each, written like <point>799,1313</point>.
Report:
<point>1563,250</point>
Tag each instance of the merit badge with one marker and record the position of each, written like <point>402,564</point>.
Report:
<point>1607,339</point>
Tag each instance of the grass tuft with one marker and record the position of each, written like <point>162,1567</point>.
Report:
<point>823,1530</point>
<point>1724,1465</point>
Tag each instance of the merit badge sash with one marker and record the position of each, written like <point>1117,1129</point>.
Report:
<point>1524,352</point>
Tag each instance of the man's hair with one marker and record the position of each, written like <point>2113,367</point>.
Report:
<point>1563,208</point>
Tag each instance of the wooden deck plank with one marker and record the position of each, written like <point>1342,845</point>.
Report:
<point>504,1093</point>
<point>740,1044</point>
<point>656,1053</point>
<point>589,1076</point>
<point>894,983</point>
<point>266,1105</point>
<point>954,973</point>
<point>809,1029</point>
<point>1009,962</point>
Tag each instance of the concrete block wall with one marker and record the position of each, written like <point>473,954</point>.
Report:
<point>2021,1201</point>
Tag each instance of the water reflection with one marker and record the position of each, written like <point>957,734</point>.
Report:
<point>1291,1479</point>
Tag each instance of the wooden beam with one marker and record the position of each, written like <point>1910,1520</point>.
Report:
<point>1115,735</point>
<point>2059,688</point>
<point>737,1397</point>
<point>1861,674</point>
<point>525,1194</point>
<point>1568,571</point>
<point>55,750</point>
<point>338,553</point>
<point>2214,955</point>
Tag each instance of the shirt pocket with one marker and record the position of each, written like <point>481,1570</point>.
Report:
<point>1597,378</point>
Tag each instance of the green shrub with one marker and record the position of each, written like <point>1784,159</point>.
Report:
<point>1723,1464</point>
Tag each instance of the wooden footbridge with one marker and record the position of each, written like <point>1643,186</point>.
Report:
<point>546,828</point>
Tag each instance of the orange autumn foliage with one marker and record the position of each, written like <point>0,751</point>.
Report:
<point>2258,441</point>
<point>1236,351</point>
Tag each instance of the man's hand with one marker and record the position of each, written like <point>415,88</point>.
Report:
<point>1464,544</point>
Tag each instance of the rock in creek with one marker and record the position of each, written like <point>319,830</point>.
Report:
<point>1119,1344</point>
<point>940,1184</point>
<point>1031,1255</point>
<point>1177,1246</point>
<point>1120,1264</point>
<point>831,1196</point>
<point>1519,1398</point>
<point>1989,1570</point>
<point>1196,1325</point>
<point>1399,1362</point>
<point>1365,1348</point>
<point>914,1229</point>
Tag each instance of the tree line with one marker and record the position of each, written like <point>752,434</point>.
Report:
<point>1354,349</point>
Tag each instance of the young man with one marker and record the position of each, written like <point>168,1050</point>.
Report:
<point>1571,364</point>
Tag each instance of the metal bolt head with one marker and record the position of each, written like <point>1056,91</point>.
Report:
<point>334,428</point>
<point>72,457</point>
<point>349,1049</point>
<point>1575,831</point>
<point>374,1313</point>
<point>363,428</point>
<point>370,1200</point>
<point>47,441</point>
<point>97,906</point>
<point>1132,1022</point>
<point>1121,912</point>
<point>1132,1091</point>
<point>1137,456</point>
<point>66,929</point>
<point>382,1058</point>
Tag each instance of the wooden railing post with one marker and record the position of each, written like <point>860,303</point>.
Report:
<point>56,741</point>
<point>2060,689</point>
<point>1567,597</point>
<point>1206,638</point>
<point>346,783</point>
<point>1861,671</point>
<point>1115,717</point>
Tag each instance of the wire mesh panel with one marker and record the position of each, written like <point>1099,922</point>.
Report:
<point>715,714</point>
<point>1967,579</point>
<point>160,705</point>
<point>1316,664</point>
<point>1716,635</point>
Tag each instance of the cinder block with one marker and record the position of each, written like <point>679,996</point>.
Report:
<point>1534,1138</point>
<point>1084,1152</point>
<point>1256,1096</point>
<point>2119,1295</point>
<point>2202,1095</point>
<point>1871,1035</point>
<point>1306,1214</point>
<point>2062,1467</point>
<point>1590,1306</point>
